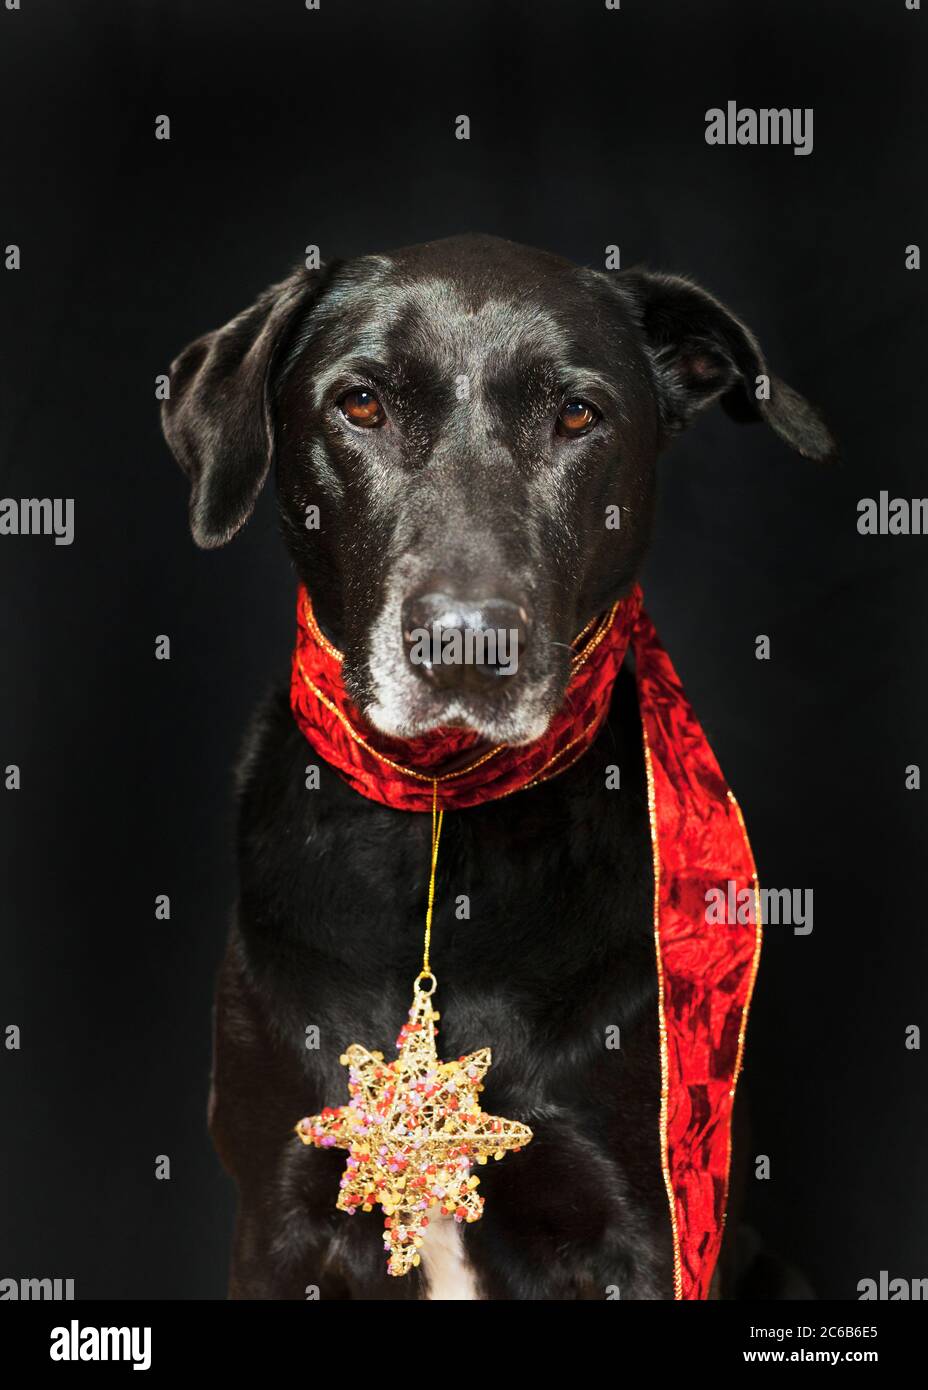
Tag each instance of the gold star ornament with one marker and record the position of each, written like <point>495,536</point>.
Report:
<point>413,1130</point>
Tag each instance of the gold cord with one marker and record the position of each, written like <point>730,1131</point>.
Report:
<point>599,627</point>
<point>437,821</point>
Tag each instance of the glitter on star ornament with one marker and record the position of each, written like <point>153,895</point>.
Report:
<point>413,1130</point>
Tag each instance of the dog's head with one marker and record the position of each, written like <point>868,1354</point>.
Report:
<point>465,435</point>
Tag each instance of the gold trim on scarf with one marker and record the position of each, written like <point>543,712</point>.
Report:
<point>662,1019</point>
<point>746,1006</point>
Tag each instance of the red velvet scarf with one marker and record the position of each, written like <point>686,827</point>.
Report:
<point>705,973</point>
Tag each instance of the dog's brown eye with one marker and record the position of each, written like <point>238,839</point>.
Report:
<point>362,408</point>
<point>575,417</point>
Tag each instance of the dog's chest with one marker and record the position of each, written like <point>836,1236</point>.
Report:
<point>449,1276</point>
<point>542,946</point>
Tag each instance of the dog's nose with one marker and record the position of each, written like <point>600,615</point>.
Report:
<point>457,642</point>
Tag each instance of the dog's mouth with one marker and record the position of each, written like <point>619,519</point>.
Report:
<point>410,715</point>
<point>459,671</point>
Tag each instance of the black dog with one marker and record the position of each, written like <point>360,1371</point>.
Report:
<point>461,413</point>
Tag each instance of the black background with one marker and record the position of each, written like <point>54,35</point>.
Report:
<point>336,128</point>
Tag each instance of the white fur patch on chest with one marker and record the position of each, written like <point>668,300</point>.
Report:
<point>448,1275</point>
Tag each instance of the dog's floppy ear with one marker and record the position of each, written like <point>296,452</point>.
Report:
<point>218,420</point>
<point>702,353</point>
